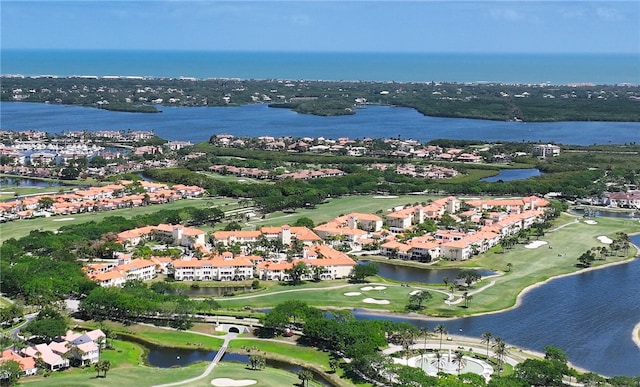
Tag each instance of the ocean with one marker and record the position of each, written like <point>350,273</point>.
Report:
<point>391,67</point>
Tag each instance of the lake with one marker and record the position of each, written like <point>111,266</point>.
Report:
<point>198,124</point>
<point>589,315</point>
<point>513,174</point>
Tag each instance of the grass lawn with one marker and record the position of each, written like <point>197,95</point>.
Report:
<point>334,207</point>
<point>119,376</point>
<point>20,228</point>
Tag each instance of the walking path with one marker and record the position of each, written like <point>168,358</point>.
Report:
<point>227,338</point>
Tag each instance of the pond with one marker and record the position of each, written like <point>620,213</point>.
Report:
<point>218,291</point>
<point>595,212</point>
<point>416,274</point>
<point>513,174</point>
<point>166,357</point>
<point>8,182</point>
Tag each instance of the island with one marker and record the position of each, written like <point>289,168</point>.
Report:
<point>488,101</point>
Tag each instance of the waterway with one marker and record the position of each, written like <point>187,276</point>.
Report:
<point>513,174</point>
<point>590,316</point>
<point>197,124</point>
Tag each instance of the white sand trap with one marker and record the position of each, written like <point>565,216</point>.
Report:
<point>605,239</point>
<point>384,197</point>
<point>379,287</point>
<point>226,382</point>
<point>590,221</point>
<point>366,288</point>
<point>535,244</point>
<point>350,294</point>
<point>63,219</point>
<point>414,292</point>
<point>374,301</point>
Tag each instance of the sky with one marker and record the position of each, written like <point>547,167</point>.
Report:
<point>325,26</point>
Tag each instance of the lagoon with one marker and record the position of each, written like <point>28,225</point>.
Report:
<point>198,124</point>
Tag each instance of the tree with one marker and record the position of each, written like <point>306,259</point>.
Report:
<point>416,299</point>
<point>362,271</point>
<point>442,330</point>
<point>587,258</point>
<point>486,338</point>
<point>45,202</point>
<point>299,270</point>
<point>467,297</point>
<point>257,362</point>
<point>10,371</point>
<point>459,360</point>
<point>553,353</point>
<point>536,372</point>
<point>304,376</point>
<point>500,350</point>
<point>509,266</point>
<point>333,364</point>
<point>304,222</point>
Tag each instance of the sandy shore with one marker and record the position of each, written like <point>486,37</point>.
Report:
<point>635,334</point>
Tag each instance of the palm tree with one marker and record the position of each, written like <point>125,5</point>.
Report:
<point>442,330</point>
<point>437,361</point>
<point>459,360</point>
<point>500,350</point>
<point>466,297</point>
<point>425,333</point>
<point>486,338</point>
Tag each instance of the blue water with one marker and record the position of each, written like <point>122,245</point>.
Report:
<point>513,174</point>
<point>414,274</point>
<point>398,67</point>
<point>590,316</point>
<point>198,124</point>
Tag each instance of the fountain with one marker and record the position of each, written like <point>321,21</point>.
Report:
<point>432,363</point>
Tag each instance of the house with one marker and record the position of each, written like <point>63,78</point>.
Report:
<point>27,363</point>
<point>54,361</point>
<point>546,150</point>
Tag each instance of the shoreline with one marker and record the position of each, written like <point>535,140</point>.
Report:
<point>635,335</point>
<point>413,315</point>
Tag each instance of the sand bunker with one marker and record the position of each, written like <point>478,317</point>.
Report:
<point>590,221</point>
<point>384,197</point>
<point>226,382</point>
<point>414,292</point>
<point>367,288</point>
<point>63,219</point>
<point>605,239</point>
<point>349,294</point>
<point>374,301</point>
<point>535,244</point>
